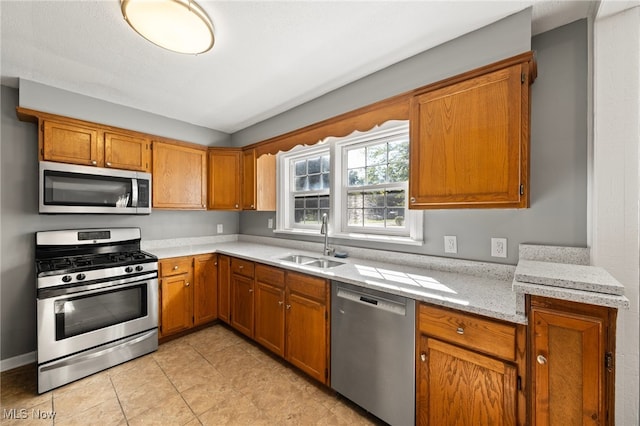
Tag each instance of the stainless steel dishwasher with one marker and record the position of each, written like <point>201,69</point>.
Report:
<point>373,351</point>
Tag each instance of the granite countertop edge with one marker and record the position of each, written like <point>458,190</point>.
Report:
<point>483,295</point>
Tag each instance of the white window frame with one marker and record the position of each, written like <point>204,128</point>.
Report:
<point>337,147</point>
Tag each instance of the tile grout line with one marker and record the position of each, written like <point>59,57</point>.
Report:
<point>176,389</point>
<point>118,398</point>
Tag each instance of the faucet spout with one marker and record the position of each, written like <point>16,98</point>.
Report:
<point>324,230</point>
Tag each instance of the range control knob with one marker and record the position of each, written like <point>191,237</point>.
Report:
<point>66,278</point>
<point>128,269</point>
<point>81,277</point>
<point>139,268</point>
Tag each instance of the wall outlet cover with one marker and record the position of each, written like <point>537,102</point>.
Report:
<point>270,223</point>
<point>220,228</point>
<point>498,247</point>
<point>450,244</point>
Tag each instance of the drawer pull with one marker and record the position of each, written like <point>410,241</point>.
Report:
<point>175,268</point>
<point>423,357</point>
<point>460,330</point>
<point>541,359</point>
<point>241,267</point>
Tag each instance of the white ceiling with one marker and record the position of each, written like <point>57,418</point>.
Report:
<point>269,56</point>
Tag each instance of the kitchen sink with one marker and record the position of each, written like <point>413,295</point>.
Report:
<point>316,262</point>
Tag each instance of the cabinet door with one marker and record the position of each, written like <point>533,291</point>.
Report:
<point>225,170</point>
<point>127,152</point>
<point>205,289</point>
<point>249,190</point>
<point>71,143</point>
<point>460,387</point>
<point>307,335</point>
<point>469,143</point>
<point>269,326</point>
<point>176,303</point>
<point>242,304</point>
<point>179,177</point>
<point>568,369</point>
<point>224,288</point>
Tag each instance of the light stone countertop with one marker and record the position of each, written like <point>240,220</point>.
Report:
<point>481,293</point>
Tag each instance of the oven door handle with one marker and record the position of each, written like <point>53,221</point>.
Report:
<point>97,287</point>
<point>118,345</point>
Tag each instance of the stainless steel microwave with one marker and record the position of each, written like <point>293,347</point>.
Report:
<point>69,188</point>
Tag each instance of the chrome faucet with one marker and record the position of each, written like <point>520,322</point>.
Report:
<point>324,230</point>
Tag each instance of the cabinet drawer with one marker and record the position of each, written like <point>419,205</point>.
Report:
<point>242,267</point>
<point>485,335</point>
<point>270,275</point>
<point>178,265</point>
<point>313,287</point>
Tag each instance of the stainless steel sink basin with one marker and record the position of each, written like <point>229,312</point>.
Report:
<point>316,262</point>
<point>299,259</point>
<point>325,263</point>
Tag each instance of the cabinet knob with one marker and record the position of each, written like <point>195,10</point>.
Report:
<point>236,206</point>
<point>541,359</point>
<point>108,164</point>
<point>241,267</point>
<point>251,205</point>
<point>250,290</point>
<point>413,199</point>
<point>94,162</point>
<point>187,285</point>
<point>460,330</point>
<point>423,357</point>
<point>175,268</point>
<point>280,302</point>
<point>288,306</point>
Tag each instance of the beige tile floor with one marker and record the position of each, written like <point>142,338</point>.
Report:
<point>211,377</point>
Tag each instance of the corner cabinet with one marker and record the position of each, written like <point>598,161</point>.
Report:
<point>225,179</point>
<point>572,362</point>
<point>188,292</point>
<point>468,369</point>
<point>470,139</point>
<point>179,176</point>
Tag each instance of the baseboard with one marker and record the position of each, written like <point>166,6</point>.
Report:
<point>17,361</point>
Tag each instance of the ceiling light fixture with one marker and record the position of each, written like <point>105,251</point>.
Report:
<point>178,25</point>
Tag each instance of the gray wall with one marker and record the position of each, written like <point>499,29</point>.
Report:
<point>558,212</point>
<point>19,219</point>
<point>69,104</point>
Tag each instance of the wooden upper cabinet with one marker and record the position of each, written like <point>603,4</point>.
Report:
<point>179,176</point>
<point>470,142</point>
<point>78,142</point>
<point>225,168</point>
<point>259,181</point>
<point>70,143</point>
<point>129,152</point>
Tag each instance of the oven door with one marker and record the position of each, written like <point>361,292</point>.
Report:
<point>80,320</point>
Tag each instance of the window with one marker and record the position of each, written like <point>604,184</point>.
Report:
<point>359,181</point>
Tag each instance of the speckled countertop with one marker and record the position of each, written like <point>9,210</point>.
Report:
<point>476,287</point>
<point>489,289</point>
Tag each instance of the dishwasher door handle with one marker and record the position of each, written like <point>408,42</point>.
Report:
<point>381,303</point>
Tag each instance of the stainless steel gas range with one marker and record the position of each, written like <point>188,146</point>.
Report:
<point>97,302</point>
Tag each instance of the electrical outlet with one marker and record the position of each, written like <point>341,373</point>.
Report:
<point>220,228</point>
<point>450,244</point>
<point>270,223</point>
<point>499,247</point>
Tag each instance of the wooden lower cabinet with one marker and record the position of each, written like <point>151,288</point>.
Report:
<point>224,288</point>
<point>572,363</point>
<point>286,312</point>
<point>188,292</point>
<point>307,324</point>
<point>468,369</point>
<point>269,308</point>
<point>461,387</point>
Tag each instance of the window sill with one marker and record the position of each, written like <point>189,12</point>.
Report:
<point>388,239</point>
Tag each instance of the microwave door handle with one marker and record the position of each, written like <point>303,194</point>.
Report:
<point>134,192</point>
